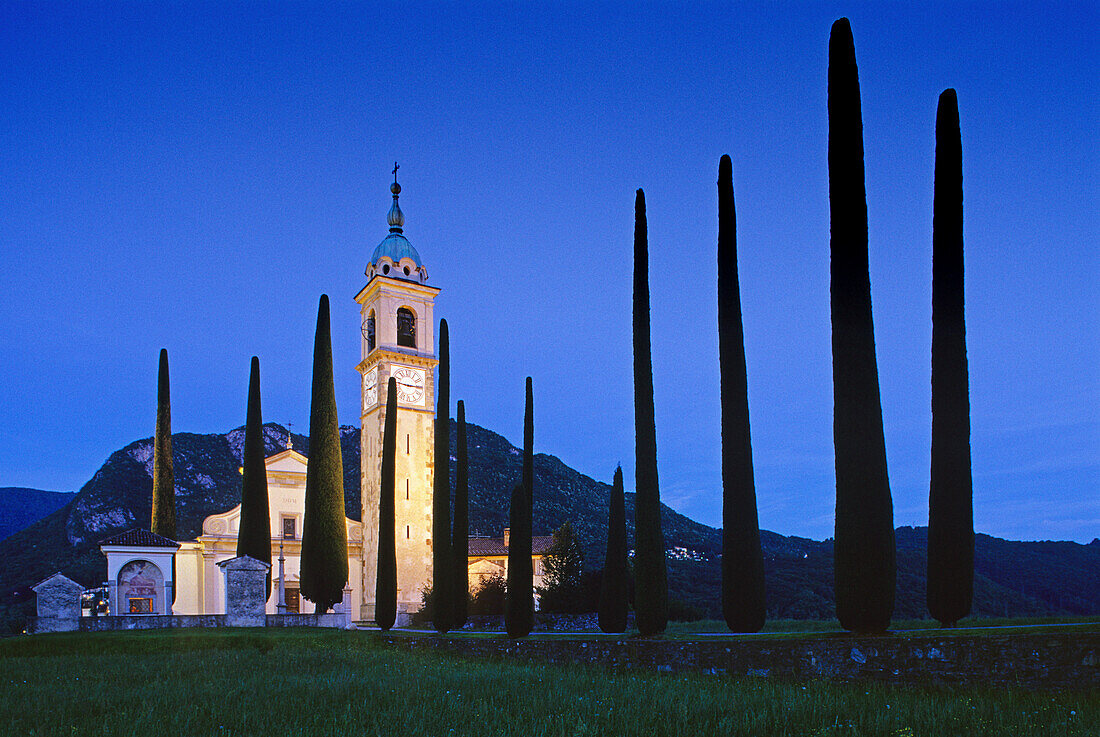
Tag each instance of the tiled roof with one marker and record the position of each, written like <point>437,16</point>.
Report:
<point>488,546</point>
<point>140,538</point>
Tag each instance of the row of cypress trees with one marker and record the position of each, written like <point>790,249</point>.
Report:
<point>865,566</point>
<point>324,562</point>
<point>449,549</point>
<point>865,555</point>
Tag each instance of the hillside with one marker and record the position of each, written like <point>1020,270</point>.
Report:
<point>1013,578</point>
<point>20,507</point>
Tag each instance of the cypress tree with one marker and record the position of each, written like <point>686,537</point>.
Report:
<point>254,536</point>
<point>324,563</point>
<point>385,592</point>
<point>442,561</point>
<point>519,611</point>
<point>461,535</point>
<point>650,568</point>
<point>742,560</point>
<point>613,588</point>
<point>864,553</point>
<point>950,499</point>
<point>163,520</point>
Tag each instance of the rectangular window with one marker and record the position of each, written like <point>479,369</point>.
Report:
<point>408,444</point>
<point>406,489</point>
<point>288,528</point>
<point>141,606</point>
<point>407,532</point>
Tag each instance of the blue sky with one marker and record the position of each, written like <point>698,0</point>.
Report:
<point>194,176</point>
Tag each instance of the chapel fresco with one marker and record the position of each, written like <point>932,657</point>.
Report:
<point>139,584</point>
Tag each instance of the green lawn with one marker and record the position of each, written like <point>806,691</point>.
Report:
<point>315,682</point>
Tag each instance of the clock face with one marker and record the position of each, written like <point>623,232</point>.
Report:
<point>370,388</point>
<point>410,385</point>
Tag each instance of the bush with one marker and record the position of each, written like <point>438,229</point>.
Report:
<point>488,598</point>
<point>680,612</point>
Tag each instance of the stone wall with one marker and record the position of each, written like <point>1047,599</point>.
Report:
<point>39,625</point>
<point>1028,661</point>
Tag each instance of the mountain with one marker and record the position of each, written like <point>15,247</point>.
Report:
<point>20,507</point>
<point>1012,578</point>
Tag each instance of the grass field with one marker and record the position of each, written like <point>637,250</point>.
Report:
<point>317,682</point>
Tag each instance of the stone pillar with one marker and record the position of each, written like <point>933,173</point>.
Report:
<point>112,597</point>
<point>58,604</point>
<point>345,610</point>
<point>245,591</point>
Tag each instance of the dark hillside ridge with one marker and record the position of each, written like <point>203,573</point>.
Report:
<point>20,507</point>
<point>1012,578</point>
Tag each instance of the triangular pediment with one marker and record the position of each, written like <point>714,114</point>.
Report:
<point>287,461</point>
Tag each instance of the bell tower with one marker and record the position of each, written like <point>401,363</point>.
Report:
<point>398,340</point>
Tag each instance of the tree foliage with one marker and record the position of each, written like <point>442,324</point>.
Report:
<point>865,557</point>
<point>324,562</point>
<point>519,613</point>
<point>614,584</point>
<point>488,598</point>
<point>254,535</point>
<point>461,531</point>
<point>742,559</point>
<point>563,590</point>
<point>163,520</point>
<point>950,498</point>
<point>442,560</point>
<point>385,589</point>
<point>650,567</point>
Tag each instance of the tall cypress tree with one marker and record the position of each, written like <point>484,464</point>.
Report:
<point>950,499</point>
<point>254,536</point>
<point>461,535</point>
<point>442,561</point>
<point>385,591</point>
<point>864,553</point>
<point>519,611</point>
<point>613,588</point>
<point>650,567</point>
<point>324,563</point>
<point>742,560</point>
<point>163,520</point>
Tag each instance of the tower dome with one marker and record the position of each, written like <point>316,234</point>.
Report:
<point>395,257</point>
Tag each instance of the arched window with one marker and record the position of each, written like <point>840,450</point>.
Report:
<point>406,328</point>
<point>369,331</point>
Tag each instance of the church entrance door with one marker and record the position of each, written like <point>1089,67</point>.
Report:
<point>292,600</point>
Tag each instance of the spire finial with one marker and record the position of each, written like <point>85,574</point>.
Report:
<point>289,440</point>
<point>396,218</point>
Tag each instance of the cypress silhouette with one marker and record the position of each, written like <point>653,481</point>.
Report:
<point>254,535</point>
<point>864,553</point>
<point>163,518</point>
<point>519,611</point>
<point>950,498</point>
<point>442,562</point>
<point>461,535</point>
<point>742,560</point>
<point>613,588</point>
<point>650,568</point>
<point>324,563</point>
<point>385,589</point>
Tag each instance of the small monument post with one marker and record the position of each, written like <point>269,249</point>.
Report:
<point>280,607</point>
<point>245,591</point>
<point>58,604</point>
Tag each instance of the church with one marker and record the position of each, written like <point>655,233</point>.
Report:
<point>145,572</point>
